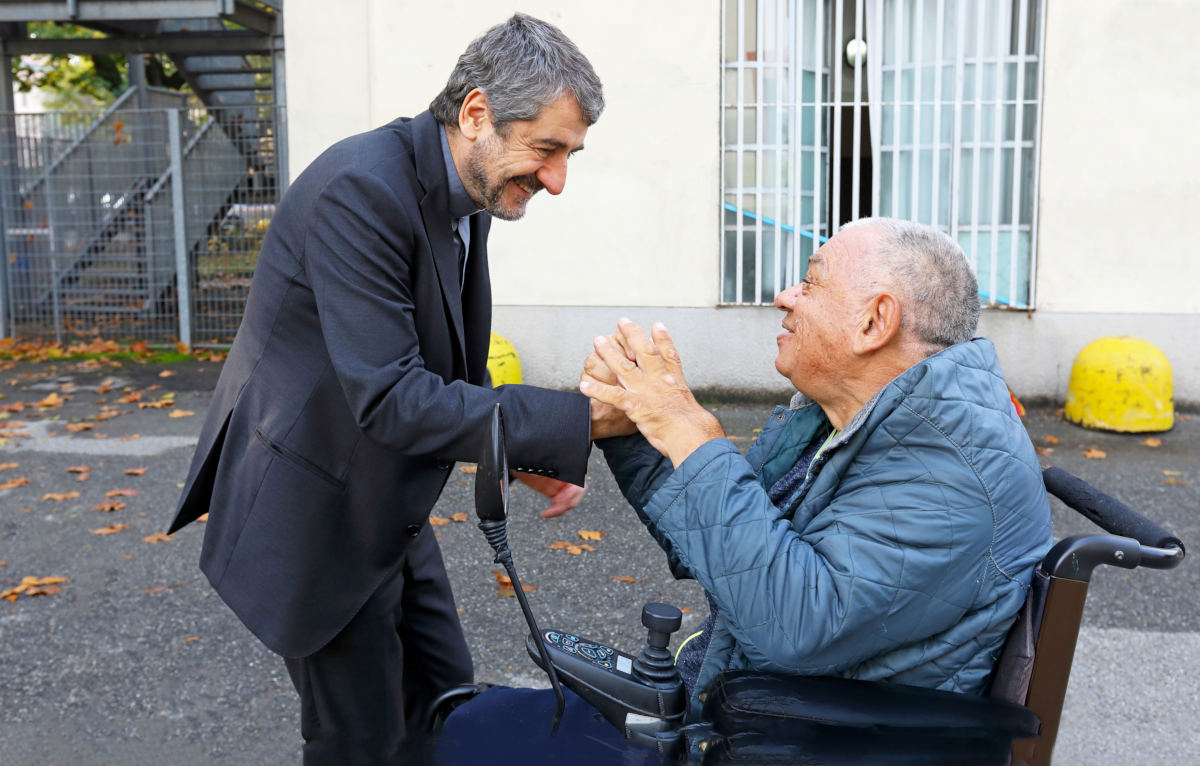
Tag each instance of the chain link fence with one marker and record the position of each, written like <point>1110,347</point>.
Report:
<point>135,223</point>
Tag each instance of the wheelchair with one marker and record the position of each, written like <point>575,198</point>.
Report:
<point>621,708</point>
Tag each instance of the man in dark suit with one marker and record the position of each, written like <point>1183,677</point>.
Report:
<point>358,377</point>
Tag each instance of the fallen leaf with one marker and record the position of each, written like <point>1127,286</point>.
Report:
<point>1172,473</point>
<point>735,438</point>
<point>574,550</point>
<point>1152,441</point>
<point>1173,480</point>
<point>468,468</point>
<point>459,517</point>
<point>108,506</point>
<point>686,610</point>
<point>181,414</point>
<point>588,534</point>
<point>623,578</point>
<point>202,518</point>
<point>111,529</point>
<point>79,469</point>
<point>34,586</point>
<point>139,347</point>
<point>191,639</point>
<point>6,466</point>
<point>104,387</point>
<point>53,400</point>
<point>1095,453</point>
<point>20,481</point>
<point>135,471</point>
<point>3,563</point>
<point>123,493</point>
<point>1051,439</point>
<point>99,435</point>
<point>130,437</point>
<point>586,547</point>
<point>438,521</point>
<point>77,427</point>
<point>166,373</point>
<point>131,397</point>
<point>59,496</point>
<point>157,537</point>
<point>1047,451</point>
<point>155,405</point>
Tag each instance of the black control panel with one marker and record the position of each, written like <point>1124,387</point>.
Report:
<point>598,654</point>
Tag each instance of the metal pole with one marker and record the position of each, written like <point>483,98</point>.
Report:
<point>183,289</point>
<point>51,240</point>
<point>279,112</point>
<point>8,166</point>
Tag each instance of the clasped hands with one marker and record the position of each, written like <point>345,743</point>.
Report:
<point>636,383</point>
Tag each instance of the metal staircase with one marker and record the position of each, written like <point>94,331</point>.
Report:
<point>95,220</point>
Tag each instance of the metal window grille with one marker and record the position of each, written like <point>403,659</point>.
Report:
<point>134,224</point>
<point>939,123</point>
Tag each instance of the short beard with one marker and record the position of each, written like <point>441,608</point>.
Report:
<point>488,194</point>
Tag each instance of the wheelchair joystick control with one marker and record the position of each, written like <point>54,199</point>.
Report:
<point>655,663</point>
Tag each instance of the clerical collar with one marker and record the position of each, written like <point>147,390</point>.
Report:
<point>461,203</point>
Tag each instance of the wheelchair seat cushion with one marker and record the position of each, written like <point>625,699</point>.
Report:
<point>505,725</point>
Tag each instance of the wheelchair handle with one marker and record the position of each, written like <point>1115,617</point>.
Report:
<point>1110,514</point>
<point>1074,558</point>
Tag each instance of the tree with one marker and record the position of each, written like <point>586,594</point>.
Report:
<point>84,81</point>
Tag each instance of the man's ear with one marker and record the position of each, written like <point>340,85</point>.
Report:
<point>878,324</point>
<point>474,114</point>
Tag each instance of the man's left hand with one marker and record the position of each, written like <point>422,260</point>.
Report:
<point>563,496</point>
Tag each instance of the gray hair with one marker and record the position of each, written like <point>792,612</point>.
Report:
<point>937,286</point>
<point>521,65</point>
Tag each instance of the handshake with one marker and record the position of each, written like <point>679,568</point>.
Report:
<point>635,383</point>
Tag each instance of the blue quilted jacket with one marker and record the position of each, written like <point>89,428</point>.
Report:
<point>904,554</point>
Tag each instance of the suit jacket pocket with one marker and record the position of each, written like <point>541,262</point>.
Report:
<point>299,461</point>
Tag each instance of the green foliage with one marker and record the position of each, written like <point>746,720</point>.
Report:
<point>84,81</point>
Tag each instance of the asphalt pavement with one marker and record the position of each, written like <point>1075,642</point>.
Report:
<point>133,659</point>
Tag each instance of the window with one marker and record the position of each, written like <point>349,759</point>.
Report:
<point>937,123</point>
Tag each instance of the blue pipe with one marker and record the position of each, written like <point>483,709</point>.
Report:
<point>769,222</point>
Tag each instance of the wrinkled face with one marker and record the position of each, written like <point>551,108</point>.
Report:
<point>821,315</point>
<point>504,171</point>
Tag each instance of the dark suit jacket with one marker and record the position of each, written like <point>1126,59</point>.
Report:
<point>357,378</point>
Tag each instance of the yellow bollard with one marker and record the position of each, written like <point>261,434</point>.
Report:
<point>1122,384</point>
<point>503,362</point>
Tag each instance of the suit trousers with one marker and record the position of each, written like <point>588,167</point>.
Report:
<point>364,695</point>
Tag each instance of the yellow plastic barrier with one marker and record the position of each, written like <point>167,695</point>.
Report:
<point>503,362</point>
<point>1122,384</point>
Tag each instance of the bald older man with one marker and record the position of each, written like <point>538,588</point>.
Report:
<point>886,523</point>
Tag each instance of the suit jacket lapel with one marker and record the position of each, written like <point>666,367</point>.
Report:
<point>435,213</point>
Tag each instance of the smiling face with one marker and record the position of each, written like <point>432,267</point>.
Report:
<point>504,170</point>
<point>822,313</point>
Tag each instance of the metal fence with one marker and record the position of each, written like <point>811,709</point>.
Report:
<point>134,224</point>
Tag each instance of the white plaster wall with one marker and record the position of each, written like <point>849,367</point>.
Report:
<point>636,232</point>
<point>638,222</point>
<point>1120,158</point>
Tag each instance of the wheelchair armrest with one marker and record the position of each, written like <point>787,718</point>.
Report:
<point>780,706</point>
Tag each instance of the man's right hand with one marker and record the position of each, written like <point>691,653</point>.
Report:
<point>606,420</point>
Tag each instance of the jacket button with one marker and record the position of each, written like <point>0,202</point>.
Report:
<point>413,530</point>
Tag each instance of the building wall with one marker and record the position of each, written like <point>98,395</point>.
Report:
<point>636,232</point>
<point>638,222</point>
<point>1120,158</point>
